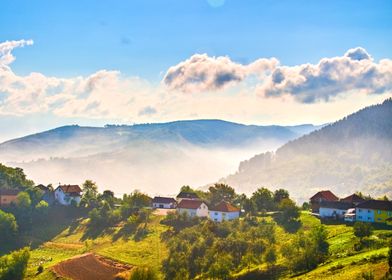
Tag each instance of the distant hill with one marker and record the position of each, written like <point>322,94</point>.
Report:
<point>157,157</point>
<point>353,154</point>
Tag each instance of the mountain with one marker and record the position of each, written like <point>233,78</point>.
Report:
<point>157,157</point>
<point>353,154</point>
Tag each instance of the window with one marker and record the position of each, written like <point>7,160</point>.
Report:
<point>389,213</point>
<point>359,210</point>
<point>378,211</point>
<point>216,213</point>
<point>369,218</point>
<point>379,219</point>
<point>368,211</point>
<point>360,217</point>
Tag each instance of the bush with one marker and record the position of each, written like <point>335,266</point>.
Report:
<point>369,275</point>
<point>143,273</point>
<point>362,230</point>
<point>14,265</point>
<point>8,226</point>
<point>40,269</point>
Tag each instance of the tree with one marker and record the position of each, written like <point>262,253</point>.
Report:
<point>249,206</point>
<point>14,265</point>
<point>90,194</point>
<point>221,192</point>
<point>8,226</point>
<point>41,210</point>
<point>319,236</point>
<point>23,201</point>
<point>279,195</point>
<point>305,206</point>
<point>390,258</point>
<point>289,211</point>
<point>263,199</point>
<point>270,256</point>
<point>362,230</point>
<point>221,267</point>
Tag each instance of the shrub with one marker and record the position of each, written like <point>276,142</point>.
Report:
<point>143,273</point>
<point>14,265</point>
<point>40,269</point>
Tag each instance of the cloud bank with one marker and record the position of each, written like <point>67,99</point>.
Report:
<point>202,87</point>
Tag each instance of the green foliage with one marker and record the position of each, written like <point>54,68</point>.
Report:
<point>14,265</point>
<point>270,256</point>
<point>263,199</point>
<point>14,178</point>
<point>143,273</point>
<point>369,275</point>
<point>280,194</point>
<point>90,194</point>
<point>42,209</point>
<point>23,201</point>
<point>221,192</point>
<point>180,221</point>
<point>216,250</point>
<point>362,229</point>
<point>8,227</point>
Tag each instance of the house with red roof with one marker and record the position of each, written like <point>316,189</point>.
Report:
<point>68,194</point>
<point>224,211</point>
<point>354,199</point>
<point>319,197</point>
<point>8,196</point>
<point>193,208</point>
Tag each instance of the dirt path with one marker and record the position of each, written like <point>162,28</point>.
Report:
<point>89,267</point>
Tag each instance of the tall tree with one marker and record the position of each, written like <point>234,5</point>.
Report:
<point>263,199</point>
<point>221,192</point>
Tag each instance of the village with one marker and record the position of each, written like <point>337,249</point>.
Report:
<point>324,205</point>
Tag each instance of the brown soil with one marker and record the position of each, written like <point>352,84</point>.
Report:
<point>89,267</point>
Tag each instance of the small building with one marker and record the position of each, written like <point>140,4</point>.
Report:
<point>374,211</point>
<point>48,194</point>
<point>187,195</point>
<point>321,196</point>
<point>164,202</point>
<point>66,194</point>
<point>350,215</point>
<point>194,208</point>
<point>334,209</point>
<point>354,199</point>
<point>224,211</point>
<point>7,196</point>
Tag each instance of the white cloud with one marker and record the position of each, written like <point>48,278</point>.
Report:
<point>202,73</point>
<point>109,95</point>
<point>6,48</point>
<point>309,83</point>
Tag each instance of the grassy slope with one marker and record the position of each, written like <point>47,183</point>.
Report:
<point>74,241</point>
<point>150,250</point>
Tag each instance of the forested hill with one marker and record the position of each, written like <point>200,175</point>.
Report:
<point>353,154</point>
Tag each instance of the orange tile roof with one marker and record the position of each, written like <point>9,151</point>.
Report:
<point>225,207</point>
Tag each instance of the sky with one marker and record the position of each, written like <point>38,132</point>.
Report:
<point>255,62</point>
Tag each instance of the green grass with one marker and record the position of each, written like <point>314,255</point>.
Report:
<point>72,241</point>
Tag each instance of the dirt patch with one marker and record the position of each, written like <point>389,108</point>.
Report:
<point>163,212</point>
<point>89,267</point>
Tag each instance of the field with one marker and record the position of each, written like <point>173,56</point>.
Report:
<point>111,244</point>
<point>344,262</point>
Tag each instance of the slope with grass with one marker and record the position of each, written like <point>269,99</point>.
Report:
<point>344,261</point>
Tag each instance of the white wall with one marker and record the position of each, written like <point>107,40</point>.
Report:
<point>64,199</point>
<point>202,211</point>
<point>163,205</point>
<point>364,215</point>
<point>218,216</point>
<point>331,212</point>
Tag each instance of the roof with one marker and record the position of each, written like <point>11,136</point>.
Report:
<point>354,198</point>
<point>376,205</point>
<point>71,189</point>
<point>224,206</point>
<point>326,195</point>
<point>336,205</point>
<point>42,187</point>
<point>187,195</point>
<point>165,200</point>
<point>9,192</point>
<point>189,204</point>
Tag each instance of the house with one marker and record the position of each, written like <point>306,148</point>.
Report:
<point>187,195</point>
<point>194,208</point>
<point>224,211</point>
<point>321,196</point>
<point>48,194</point>
<point>354,199</point>
<point>334,209</point>
<point>375,211</point>
<point>65,194</point>
<point>7,196</point>
<point>350,215</point>
<point>164,202</point>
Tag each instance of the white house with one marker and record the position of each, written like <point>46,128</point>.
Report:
<point>224,211</point>
<point>334,209</point>
<point>164,202</point>
<point>65,194</point>
<point>194,208</point>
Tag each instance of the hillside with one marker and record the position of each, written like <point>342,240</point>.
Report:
<point>143,156</point>
<point>351,154</point>
<point>343,263</point>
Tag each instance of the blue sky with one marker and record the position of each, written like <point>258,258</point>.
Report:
<point>129,47</point>
<point>145,37</point>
